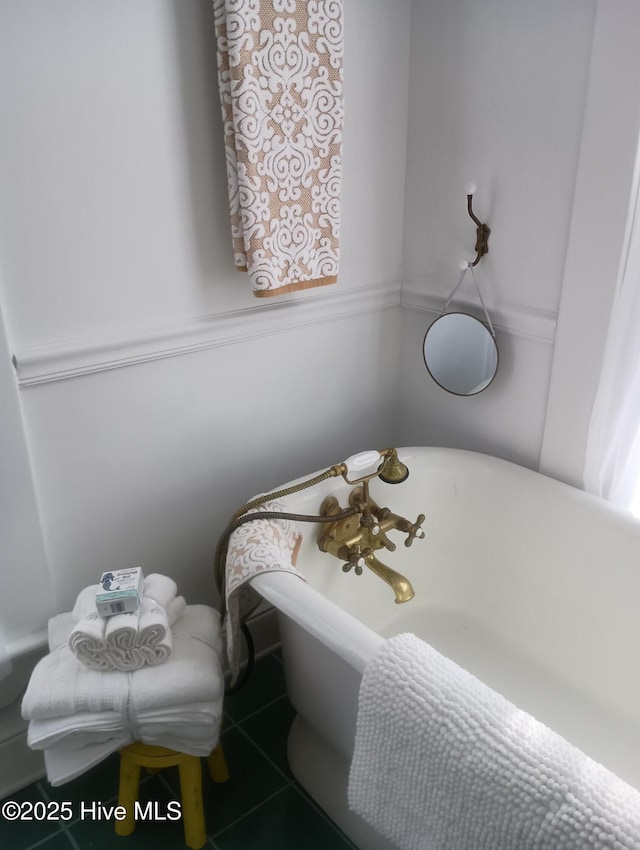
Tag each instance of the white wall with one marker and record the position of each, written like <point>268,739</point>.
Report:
<point>24,569</point>
<point>156,393</point>
<point>497,97</point>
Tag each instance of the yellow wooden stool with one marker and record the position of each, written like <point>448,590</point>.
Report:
<point>138,755</point>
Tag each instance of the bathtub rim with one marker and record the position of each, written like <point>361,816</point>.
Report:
<point>336,629</point>
<point>476,458</point>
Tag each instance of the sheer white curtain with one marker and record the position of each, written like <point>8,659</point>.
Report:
<point>612,462</point>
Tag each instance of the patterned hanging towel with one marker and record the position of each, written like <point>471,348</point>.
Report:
<point>280,77</point>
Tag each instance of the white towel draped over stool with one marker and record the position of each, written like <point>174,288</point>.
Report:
<point>441,761</point>
<point>79,716</point>
<point>127,641</point>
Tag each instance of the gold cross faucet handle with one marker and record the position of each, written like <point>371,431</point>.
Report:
<point>415,530</point>
<point>354,559</point>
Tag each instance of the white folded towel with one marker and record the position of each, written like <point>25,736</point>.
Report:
<point>61,685</point>
<point>260,546</point>
<point>443,761</point>
<point>74,732</point>
<point>177,705</point>
<point>65,763</point>
<point>62,767</point>
<point>128,641</point>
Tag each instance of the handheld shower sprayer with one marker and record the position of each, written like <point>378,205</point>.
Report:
<point>384,464</point>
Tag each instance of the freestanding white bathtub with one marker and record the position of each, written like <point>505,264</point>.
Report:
<point>530,584</point>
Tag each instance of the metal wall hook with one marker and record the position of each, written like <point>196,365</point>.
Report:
<point>482,230</point>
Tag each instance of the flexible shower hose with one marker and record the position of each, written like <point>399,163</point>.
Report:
<point>240,517</point>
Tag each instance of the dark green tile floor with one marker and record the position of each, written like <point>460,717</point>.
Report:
<point>261,807</point>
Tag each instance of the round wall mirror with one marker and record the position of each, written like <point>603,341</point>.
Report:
<point>460,354</point>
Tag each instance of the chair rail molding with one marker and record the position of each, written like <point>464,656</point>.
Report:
<point>63,359</point>
<point>515,319</point>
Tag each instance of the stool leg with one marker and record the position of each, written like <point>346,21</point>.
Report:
<point>218,769</point>
<point>192,814</point>
<point>128,793</point>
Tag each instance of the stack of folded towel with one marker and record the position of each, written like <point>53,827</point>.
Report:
<point>127,641</point>
<point>79,715</point>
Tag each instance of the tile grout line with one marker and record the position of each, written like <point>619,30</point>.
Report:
<point>301,790</point>
<point>46,838</point>
<point>264,755</point>
<point>238,725</point>
<point>64,826</point>
<point>291,782</point>
<point>249,812</point>
<point>258,710</point>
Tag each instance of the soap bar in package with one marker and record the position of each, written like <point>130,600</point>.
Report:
<point>120,592</point>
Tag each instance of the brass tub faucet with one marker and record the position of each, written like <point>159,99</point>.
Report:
<point>356,539</point>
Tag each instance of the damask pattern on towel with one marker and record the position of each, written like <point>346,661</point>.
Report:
<point>280,76</point>
<point>261,546</point>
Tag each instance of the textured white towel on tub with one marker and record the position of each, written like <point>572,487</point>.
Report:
<point>442,762</point>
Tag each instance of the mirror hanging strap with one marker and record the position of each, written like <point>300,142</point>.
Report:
<point>469,267</point>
